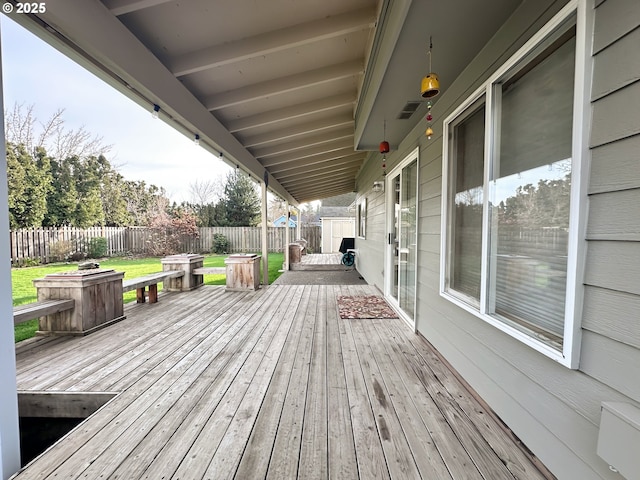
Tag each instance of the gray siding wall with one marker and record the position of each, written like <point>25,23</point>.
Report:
<point>369,258</point>
<point>554,410</point>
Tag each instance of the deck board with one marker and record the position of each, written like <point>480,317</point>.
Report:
<point>265,384</point>
<point>286,450</point>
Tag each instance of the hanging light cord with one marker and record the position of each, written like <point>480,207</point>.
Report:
<point>429,52</point>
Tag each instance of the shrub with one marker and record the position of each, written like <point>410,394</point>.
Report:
<point>61,250</point>
<point>29,262</point>
<point>97,247</point>
<point>220,243</point>
<point>168,232</point>
<point>77,256</point>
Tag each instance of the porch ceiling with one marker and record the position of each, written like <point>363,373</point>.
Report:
<point>275,86</point>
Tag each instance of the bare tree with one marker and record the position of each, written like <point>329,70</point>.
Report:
<point>204,192</point>
<point>19,125</point>
<point>276,208</point>
<point>22,127</point>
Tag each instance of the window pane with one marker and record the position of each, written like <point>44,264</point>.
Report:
<point>362,217</point>
<point>408,238</point>
<point>465,255</point>
<point>531,191</point>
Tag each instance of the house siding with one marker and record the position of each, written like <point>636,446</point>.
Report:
<point>370,249</point>
<point>554,410</point>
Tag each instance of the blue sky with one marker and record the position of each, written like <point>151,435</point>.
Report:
<point>143,148</point>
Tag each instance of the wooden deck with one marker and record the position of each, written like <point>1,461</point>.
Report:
<point>267,384</point>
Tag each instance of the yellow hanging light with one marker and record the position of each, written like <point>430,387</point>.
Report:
<point>430,84</point>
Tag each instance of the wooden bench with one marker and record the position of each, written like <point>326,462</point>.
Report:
<point>140,283</point>
<point>29,311</point>
<point>210,271</point>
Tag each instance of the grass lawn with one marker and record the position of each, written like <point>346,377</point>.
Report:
<point>25,292</point>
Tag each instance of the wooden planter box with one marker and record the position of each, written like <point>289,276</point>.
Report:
<point>243,272</point>
<point>186,262</point>
<point>97,295</point>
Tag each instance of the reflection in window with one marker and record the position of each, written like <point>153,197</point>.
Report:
<point>531,245</point>
<point>531,191</point>
<point>362,217</point>
<point>408,238</point>
<point>467,144</point>
<point>506,231</point>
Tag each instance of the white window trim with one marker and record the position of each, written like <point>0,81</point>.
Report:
<point>570,354</point>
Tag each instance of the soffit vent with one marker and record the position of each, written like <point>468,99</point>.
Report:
<point>408,110</point>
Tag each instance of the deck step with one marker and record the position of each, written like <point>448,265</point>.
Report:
<point>319,268</point>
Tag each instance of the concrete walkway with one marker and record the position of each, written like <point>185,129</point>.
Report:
<point>348,276</point>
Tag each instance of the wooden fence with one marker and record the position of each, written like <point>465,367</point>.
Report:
<point>46,245</point>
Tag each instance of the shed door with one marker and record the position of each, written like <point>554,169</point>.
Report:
<point>334,230</point>
<point>340,230</point>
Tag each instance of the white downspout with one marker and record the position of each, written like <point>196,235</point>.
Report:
<point>265,245</point>
<point>287,236</point>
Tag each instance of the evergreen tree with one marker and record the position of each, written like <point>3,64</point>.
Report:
<point>241,202</point>
<point>62,197</point>
<point>79,188</point>
<point>28,181</point>
<point>113,204</point>
<point>86,174</point>
<point>544,205</point>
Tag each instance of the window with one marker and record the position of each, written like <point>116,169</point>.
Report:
<point>467,173</point>
<point>507,195</point>
<point>361,215</point>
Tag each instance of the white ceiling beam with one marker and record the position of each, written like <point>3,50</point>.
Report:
<point>313,175</point>
<point>308,152</point>
<point>293,112</point>
<point>299,130</point>
<point>325,191</point>
<point>336,176</point>
<point>307,199</point>
<point>390,25</point>
<point>120,7</point>
<point>306,142</point>
<point>311,198</point>
<point>271,42</point>
<point>279,86</point>
<point>341,163</point>
<point>341,148</point>
<point>342,155</point>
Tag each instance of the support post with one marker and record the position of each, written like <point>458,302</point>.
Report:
<point>9,431</point>
<point>265,246</point>
<point>287,237</point>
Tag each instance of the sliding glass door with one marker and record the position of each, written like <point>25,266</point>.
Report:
<point>402,237</point>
